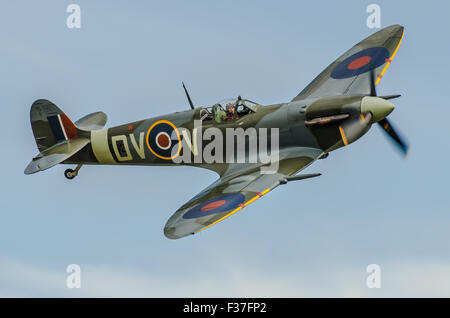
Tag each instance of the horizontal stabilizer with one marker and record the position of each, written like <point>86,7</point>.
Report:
<point>56,154</point>
<point>92,121</point>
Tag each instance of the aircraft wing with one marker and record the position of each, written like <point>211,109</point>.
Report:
<point>350,73</point>
<point>233,191</point>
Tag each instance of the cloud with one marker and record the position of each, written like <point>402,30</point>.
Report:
<point>229,279</point>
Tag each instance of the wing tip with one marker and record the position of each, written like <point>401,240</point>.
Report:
<point>169,232</point>
<point>394,30</point>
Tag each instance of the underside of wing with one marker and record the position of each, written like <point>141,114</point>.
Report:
<point>231,193</point>
<point>350,73</point>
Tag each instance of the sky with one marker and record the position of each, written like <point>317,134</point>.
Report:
<point>313,238</point>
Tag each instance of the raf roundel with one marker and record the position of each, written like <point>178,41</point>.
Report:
<point>361,62</point>
<point>163,140</point>
<point>222,203</point>
<point>160,142</point>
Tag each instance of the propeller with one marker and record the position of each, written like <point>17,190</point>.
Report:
<point>398,141</point>
<point>385,124</point>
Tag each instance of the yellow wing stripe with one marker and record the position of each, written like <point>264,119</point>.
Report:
<point>251,200</point>
<point>344,139</point>
<point>389,62</point>
<point>256,197</point>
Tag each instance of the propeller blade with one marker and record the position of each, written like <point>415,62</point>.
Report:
<point>188,97</point>
<point>401,144</point>
<point>373,91</point>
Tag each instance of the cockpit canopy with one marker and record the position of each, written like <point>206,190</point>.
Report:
<point>229,110</point>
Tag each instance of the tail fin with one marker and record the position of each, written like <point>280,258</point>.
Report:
<point>57,137</point>
<point>50,125</point>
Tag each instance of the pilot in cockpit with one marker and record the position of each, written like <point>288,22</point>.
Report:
<point>231,111</point>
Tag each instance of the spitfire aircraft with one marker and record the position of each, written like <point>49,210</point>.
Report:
<point>338,107</point>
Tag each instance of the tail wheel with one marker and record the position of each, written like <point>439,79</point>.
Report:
<point>69,174</point>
